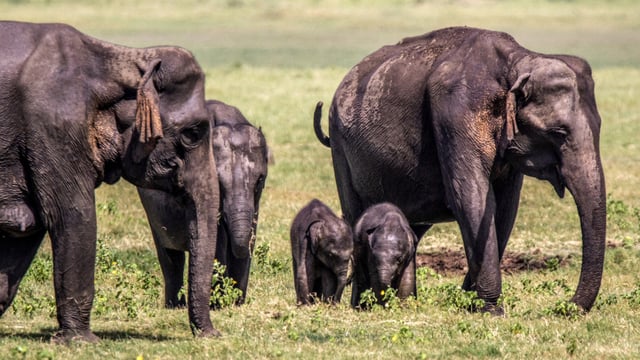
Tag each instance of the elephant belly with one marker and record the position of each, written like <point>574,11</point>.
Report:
<point>18,220</point>
<point>417,190</point>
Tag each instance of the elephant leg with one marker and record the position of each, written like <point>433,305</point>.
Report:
<point>329,285</point>
<point>473,203</point>
<point>172,266</point>
<point>507,192</point>
<point>239,270</point>
<point>407,284</point>
<point>420,230</point>
<point>17,255</point>
<point>507,195</point>
<point>304,277</point>
<point>350,202</point>
<point>73,240</point>
<point>360,281</point>
<point>223,256</point>
<point>477,225</point>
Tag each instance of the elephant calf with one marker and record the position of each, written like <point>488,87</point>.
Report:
<point>322,246</point>
<point>240,151</point>
<point>384,253</point>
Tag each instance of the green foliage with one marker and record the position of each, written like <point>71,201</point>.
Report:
<point>134,289</point>
<point>267,264</point>
<point>368,299</point>
<point>223,290</point>
<point>624,219</point>
<point>565,309</point>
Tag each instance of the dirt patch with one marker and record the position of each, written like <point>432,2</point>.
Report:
<point>453,262</point>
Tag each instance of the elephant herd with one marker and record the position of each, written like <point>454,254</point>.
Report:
<point>438,127</point>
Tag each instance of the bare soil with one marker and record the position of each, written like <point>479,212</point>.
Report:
<point>453,262</point>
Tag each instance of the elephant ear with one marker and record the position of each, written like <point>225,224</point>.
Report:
<point>511,126</point>
<point>148,120</point>
<point>313,234</point>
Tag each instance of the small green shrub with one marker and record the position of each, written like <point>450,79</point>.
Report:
<point>565,309</point>
<point>223,290</point>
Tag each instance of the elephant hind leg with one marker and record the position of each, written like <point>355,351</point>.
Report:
<point>16,254</point>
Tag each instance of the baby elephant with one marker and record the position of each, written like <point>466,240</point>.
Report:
<point>384,253</point>
<point>322,246</point>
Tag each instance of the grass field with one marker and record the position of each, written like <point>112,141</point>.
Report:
<point>274,60</point>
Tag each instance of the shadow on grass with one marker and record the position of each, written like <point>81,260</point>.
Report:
<point>44,335</point>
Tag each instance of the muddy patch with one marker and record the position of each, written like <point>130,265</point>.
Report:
<point>453,262</point>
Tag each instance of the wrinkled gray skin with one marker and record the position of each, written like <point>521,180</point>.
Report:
<point>322,249</point>
<point>240,152</point>
<point>469,113</point>
<point>384,254</point>
<point>115,111</point>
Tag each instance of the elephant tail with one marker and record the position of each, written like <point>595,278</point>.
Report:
<point>317,117</point>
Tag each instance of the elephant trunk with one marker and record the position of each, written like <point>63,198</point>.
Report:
<point>202,198</point>
<point>382,280</point>
<point>343,280</point>
<point>584,177</point>
<point>241,223</point>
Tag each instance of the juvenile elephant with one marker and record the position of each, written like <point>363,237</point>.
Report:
<point>322,249</point>
<point>74,112</point>
<point>469,112</point>
<point>240,152</point>
<point>384,253</point>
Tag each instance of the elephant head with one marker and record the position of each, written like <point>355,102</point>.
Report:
<point>169,149</point>
<point>554,128</point>
<point>331,242</point>
<point>386,247</point>
<point>241,159</point>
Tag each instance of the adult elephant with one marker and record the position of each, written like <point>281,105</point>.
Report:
<point>240,151</point>
<point>446,124</point>
<point>75,112</point>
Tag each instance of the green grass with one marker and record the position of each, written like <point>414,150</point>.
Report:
<point>274,60</point>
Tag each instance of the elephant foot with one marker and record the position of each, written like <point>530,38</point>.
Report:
<point>208,333</point>
<point>68,336</point>
<point>493,309</point>
<point>178,305</point>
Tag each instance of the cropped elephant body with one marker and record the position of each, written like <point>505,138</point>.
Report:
<point>384,253</point>
<point>75,112</point>
<point>445,125</point>
<point>322,249</point>
<point>240,151</point>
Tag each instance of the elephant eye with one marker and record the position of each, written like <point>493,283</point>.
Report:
<point>192,136</point>
<point>559,133</point>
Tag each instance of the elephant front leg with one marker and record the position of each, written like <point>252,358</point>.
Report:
<point>172,266</point>
<point>329,284</point>
<point>477,225</point>
<point>73,239</point>
<point>360,282</point>
<point>472,200</point>
<point>407,284</point>
<point>239,270</point>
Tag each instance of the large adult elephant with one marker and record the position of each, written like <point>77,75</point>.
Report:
<point>75,112</point>
<point>240,151</point>
<point>446,124</point>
